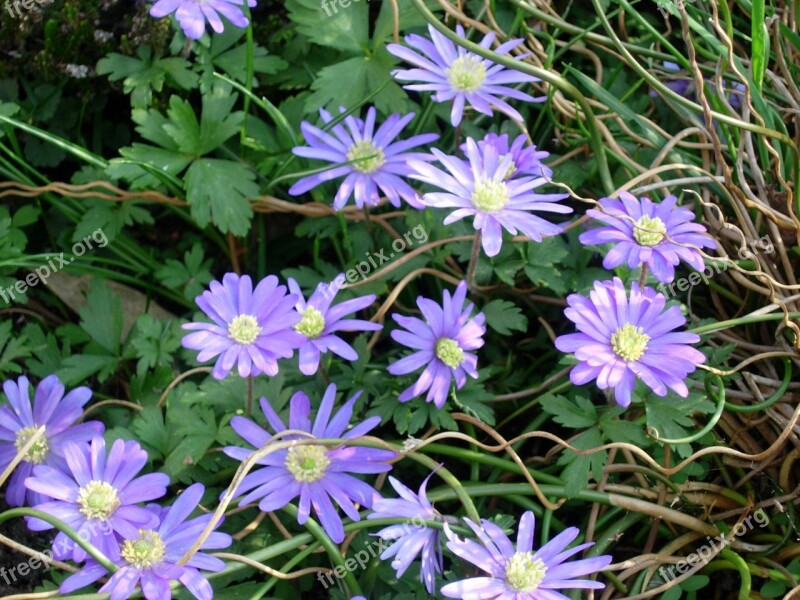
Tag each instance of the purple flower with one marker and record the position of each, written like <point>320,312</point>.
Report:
<point>478,188</point>
<point>441,344</point>
<point>375,159</point>
<point>410,541</point>
<point>251,328</point>
<point>97,492</point>
<point>19,421</point>
<point>621,340</point>
<point>644,232</point>
<point>193,14</point>
<point>685,87</point>
<point>524,160</point>
<point>461,76</point>
<point>151,556</point>
<point>313,472</point>
<point>320,322</point>
<point>521,573</point>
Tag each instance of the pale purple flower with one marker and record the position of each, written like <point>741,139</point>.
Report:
<point>442,344</point>
<point>411,538</point>
<point>151,557</point>
<point>96,495</point>
<point>320,322</point>
<point>658,235</point>
<point>525,160</point>
<point>313,472</point>
<point>19,421</point>
<point>456,74</point>
<point>377,163</point>
<point>478,188</point>
<point>193,14</point>
<point>621,340</point>
<point>519,573</point>
<point>251,328</point>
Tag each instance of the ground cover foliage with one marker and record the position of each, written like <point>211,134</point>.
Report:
<point>399,299</point>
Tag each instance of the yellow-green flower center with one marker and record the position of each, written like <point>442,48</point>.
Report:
<point>523,574</point>
<point>312,323</point>
<point>307,463</point>
<point>145,551</point>
<point>36,453</point>
<point>98,500</point>
<point>449,352</point>
<point>467,73</point>
<point>629,342</point>
<point>649,232</point>
<point>490,195</point>
<point>244,329</point>
<point>366,156</point>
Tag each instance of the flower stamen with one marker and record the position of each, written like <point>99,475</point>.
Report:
<point>366,156</point>
<point>490,195</point>
<point>649,232</point>
<point>36,453</point>
<point>98,500</point>
<point>467,73</point>
<point>145,551</point>
<point>629,342</point>
<point>449,352</point>
<point>523,574</point>
<point>244,329</point>
<point>312,324</point>
<point>307,463</point>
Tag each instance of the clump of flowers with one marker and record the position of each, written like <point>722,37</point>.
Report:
<point>250,329</point>
<point>20,420</point>
<point>460,76</point>
<point>311,471</point>
<point>320,322</point>
<point>658,235</point>
<point>442,343</point>
<point>621,340</point>
<point>479,187</point>
<point>520,573</point>
<point>526,160</point>
<point>193,14</point>
<point>370,161</point>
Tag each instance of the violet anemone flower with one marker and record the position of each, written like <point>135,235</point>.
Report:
<point>151,557</point>
<point>96,495</point>
<point>520,573</point>
<point>478,188</point>
<point>462,76</point>
<point>311,471</point>
<point>526,160</point>
<point>321,321</point>
<point>251,328</point>
<point>659,235</point>
<point>19,421</point>
<point>408,542</point>
<point>193,14</point>
<point>620,340</point>
<point>375,161</point>
<point>442,344</point>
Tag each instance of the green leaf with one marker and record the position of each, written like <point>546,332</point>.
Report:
<point>154,342</point>
<point>78,368</point>
<point>504,316</point>
<point>217,190</point>
<point>101,317</point>
<point>576,413</point>
<point>12,347</point>
<point>578,469</point>
<point>152,432</point>
<point>339,24</point>
<point>671,416</point>
<point>191,275</point>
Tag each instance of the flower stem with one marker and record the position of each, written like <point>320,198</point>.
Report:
<point>473,259</point>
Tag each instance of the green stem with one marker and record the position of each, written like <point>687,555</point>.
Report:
<point>249,72</point>
<point>743,321</point>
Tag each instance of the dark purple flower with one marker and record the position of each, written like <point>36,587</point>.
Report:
<point>375,160</point>
<point>478,188</point>
<point>442,344</point>
<point>659,235</point>
<point>313,472</point>
<point>685,86</point>
<point>96,496</point>
<point>623,339</point>
<point>520,573</point>
<point>410,541</point>
<point>193,14</point>
<point>462,76</point>
<point>525,160</point>
<point>151,557</point>
<point>251,328</point>
<point>19,421</point>
<point>320,321</point>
